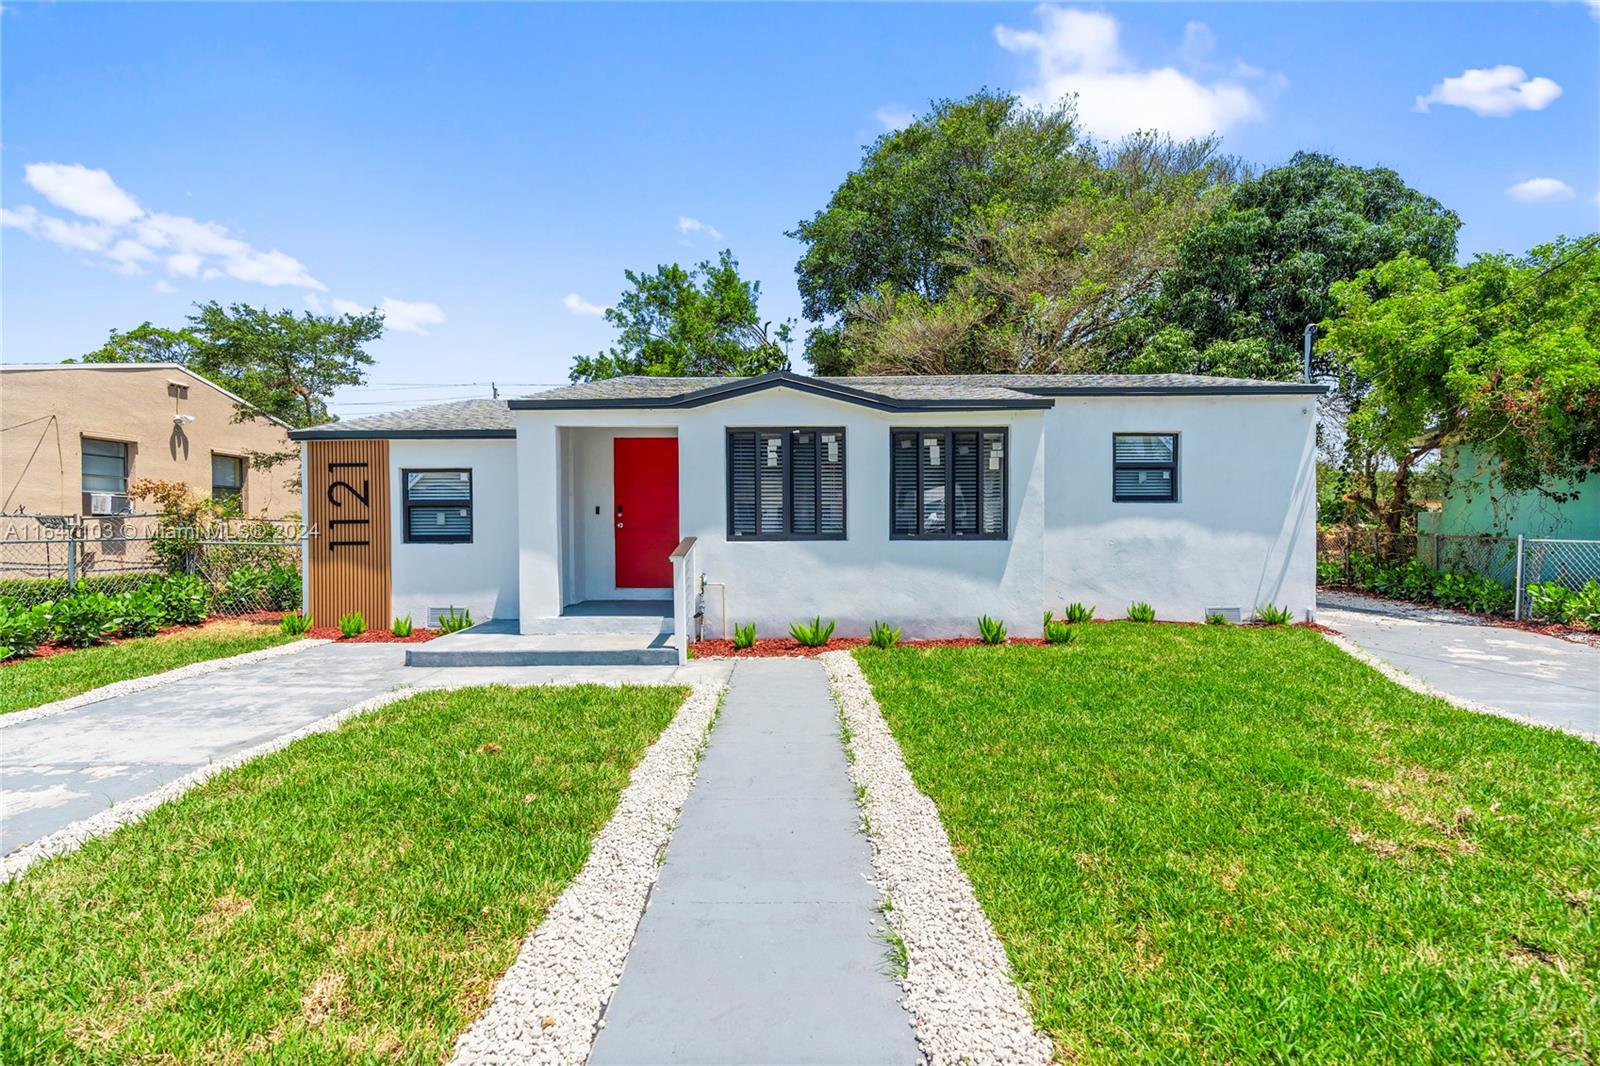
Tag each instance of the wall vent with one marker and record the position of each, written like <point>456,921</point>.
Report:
<point>1234,615</point>
<point>436,613</point>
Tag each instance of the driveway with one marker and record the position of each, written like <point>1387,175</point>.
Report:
<point>69,766</point>
<point>1546,679</point>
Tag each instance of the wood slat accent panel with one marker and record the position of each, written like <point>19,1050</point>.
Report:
<point>347,502</point>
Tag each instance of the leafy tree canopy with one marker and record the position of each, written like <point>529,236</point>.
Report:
<point>1254,273</point>
<point>1502,354</point>
<point>676,322</point>
<point>281,364</point>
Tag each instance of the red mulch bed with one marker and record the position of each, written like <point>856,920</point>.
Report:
<point>780,648</point>
<point>374,636</point>
<point>1544,628</point>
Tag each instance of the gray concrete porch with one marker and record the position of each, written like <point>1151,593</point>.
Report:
<point>592,633</point>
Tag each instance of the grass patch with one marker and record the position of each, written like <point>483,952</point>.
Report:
<point>32,682</point>
<point>1223,844</point>
<point>353,897</point>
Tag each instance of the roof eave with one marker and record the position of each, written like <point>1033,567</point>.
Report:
<point>780,379</point>
<point>333,433</point>
<point>1286,389</point>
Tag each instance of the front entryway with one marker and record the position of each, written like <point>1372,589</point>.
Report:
<point>645,510</point>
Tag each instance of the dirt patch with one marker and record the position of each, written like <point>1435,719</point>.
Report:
<point>224,911</point>
<point>325,998</point>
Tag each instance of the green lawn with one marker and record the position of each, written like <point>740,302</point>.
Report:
<point>353,897</point>
<point>31,682</point>
<point>1224,845</point>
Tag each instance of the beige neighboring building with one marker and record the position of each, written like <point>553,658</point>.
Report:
<point>75,436</point>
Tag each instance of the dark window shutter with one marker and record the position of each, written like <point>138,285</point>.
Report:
<point>903,482</point>
<point>742,483</point>
<point>934,459</point>
<point>831,466</point>
<point>803,457</point>
<point>769,482</point>
<point>994,483</point>
<point>964,481</point>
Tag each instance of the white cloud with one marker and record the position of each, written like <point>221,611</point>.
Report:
<point>1077,52</point>
<point>893,117</point>
<point>409,316</point>
<point>314,302</point>
<point>90,193</point>
<point>689,226</point>
<point>1198,44</point>
<point>184,265</point>
<point>348,307</point>
<point>1496,92</point>
<point>579,306</point>
<point>165,286</point>
<point>73,236</point>
<point>1540,191</point>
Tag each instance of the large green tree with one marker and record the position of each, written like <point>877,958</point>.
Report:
<point>675,322</point>
<point>1502,354</point>
<point>1254,273</point>
<point>280,363</point>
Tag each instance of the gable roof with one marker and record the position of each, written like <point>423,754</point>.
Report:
<point>173,368</point>
<point>944,392</point>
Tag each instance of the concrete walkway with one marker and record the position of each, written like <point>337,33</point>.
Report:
<point>69,766</point>
<point>759,944</point>
<point>1543,678</point>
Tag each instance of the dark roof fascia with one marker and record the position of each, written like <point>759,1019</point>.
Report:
<point>331,433</point>
<point>1288,389</point>
<point>728,390</point>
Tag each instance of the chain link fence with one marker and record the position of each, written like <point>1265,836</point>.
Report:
<point>248,566</point>
<point>1347,556</point>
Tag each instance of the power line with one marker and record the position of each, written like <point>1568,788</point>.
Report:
<point>1583,246</point>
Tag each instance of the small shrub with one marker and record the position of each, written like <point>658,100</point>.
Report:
<point>883,635</point>
<point>1077,612</point>
<point>1059,632</point>
<point>184,598</point>
<point>1049,616</point>
<point>1273,615</point>
<point>992,630</point>
<point>283,588</point>
<point>744,636</point>
<point>455,621</point>
<point>812,635</point>
<point>401,627</point>
<point>1584,609</point>
<point>1140,611</point>
<point>1216,619</point>
<point>23,628</point>
<point>140,613</point>
<point>84,619</point>
<point>1550,601</point>
<point>247,589</point>
<point>1330,572</point>
<point>295,624</point>
<point>352,625</point>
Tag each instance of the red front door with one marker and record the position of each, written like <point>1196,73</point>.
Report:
<point>645,480</point>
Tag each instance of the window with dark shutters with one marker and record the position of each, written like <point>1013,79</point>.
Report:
<point>786,484</point>
<point>1144,467</point>
<point>437,505</point>
<point>947,484</point>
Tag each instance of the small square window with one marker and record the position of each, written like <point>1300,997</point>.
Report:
<point>437,506</point>
<point>227,478</point>
<point>1144,467</point>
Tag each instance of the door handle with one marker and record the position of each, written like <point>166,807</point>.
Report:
<point>619,525</point>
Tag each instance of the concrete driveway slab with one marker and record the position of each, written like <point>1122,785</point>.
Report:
<point>1511,671</point>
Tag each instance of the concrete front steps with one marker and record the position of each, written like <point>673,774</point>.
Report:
<point>597,633</point>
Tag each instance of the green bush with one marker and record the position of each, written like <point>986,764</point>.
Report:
<point>295,624</point>
<point>1140,611</point>
<point>1077,612</point>
<point>883,635</point>
<point>22,629</point>
<point>352,625</point>
<point>813,635</point>
<point>283,588</point>
<point>31,590</point>
<point>401,627</point>
<point>246,590</point>
<point>744,636</point>
<point>140,613</point>
<point>83,619</point>
<point>992,630</point>
<point>1584,610</point>
<point>454,621</point>
<point>1216,619</point>
<point>1059,633</point>
<point>1273,615</point>
<point>1550,601</point>
<point>1330,572</point>
<point>184,597</point>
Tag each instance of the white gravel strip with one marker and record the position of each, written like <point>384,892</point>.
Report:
<point>547,1007</point>
<point>139,684</point>
<point>1416,684</point>
<point>71,837</point>
<point>959,990</point>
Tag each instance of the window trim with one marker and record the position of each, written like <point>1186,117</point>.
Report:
<point>244,474</point>
<point>1172,466</point>
<point>788,485</point>
<point>406,505</point>
<point>127,463</point>
<point>949,483</point>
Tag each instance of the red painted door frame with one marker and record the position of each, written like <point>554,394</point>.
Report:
<point>645,501</point>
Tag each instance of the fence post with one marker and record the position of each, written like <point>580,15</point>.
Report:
<point>72,562</point>
<point>1437,565</point>
<point>1516,607</point>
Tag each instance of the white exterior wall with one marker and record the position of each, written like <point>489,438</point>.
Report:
<point>928,587</point>
<point>1242,533</point>
<point>480,576</point>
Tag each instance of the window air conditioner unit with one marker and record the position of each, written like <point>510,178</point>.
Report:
<point>108,503</point>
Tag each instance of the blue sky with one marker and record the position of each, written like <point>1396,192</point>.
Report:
<point>489,171</point>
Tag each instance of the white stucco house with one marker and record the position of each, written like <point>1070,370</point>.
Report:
<point>923,501</point>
